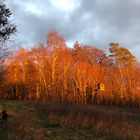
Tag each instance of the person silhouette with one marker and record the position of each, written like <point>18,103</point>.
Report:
<point>4,115</point>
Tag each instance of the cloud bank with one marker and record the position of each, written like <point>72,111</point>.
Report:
<point>93,22</point>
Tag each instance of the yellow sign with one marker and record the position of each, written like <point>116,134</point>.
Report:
<point>101,87</point>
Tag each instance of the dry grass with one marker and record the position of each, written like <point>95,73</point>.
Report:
<point>50,121</point>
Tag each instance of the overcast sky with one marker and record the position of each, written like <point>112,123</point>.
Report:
<point>93,22</point>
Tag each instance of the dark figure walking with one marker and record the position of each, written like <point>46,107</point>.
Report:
<point>4,116</point>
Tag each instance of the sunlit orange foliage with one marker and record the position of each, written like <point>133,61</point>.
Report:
<point>54,72</point>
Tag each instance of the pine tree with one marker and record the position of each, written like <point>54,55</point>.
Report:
<point>6,28</point>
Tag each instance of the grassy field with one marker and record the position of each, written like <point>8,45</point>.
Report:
<point>47,121</point>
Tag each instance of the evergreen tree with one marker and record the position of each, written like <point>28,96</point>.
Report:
<point>6,28</point>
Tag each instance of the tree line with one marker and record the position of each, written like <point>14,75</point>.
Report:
<point>55,72</point>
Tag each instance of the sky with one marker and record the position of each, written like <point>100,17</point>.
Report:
<point>92,22</point>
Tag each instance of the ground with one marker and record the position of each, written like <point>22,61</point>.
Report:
<point>52,121</point>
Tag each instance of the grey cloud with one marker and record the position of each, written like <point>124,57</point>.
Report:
<point>94,22</point>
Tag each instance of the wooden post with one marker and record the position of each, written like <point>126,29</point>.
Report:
<point>95,96</point>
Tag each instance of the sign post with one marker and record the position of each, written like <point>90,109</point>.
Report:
<point>99,87</point>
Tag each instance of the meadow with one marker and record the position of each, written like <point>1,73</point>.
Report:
<point>30,120</point>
